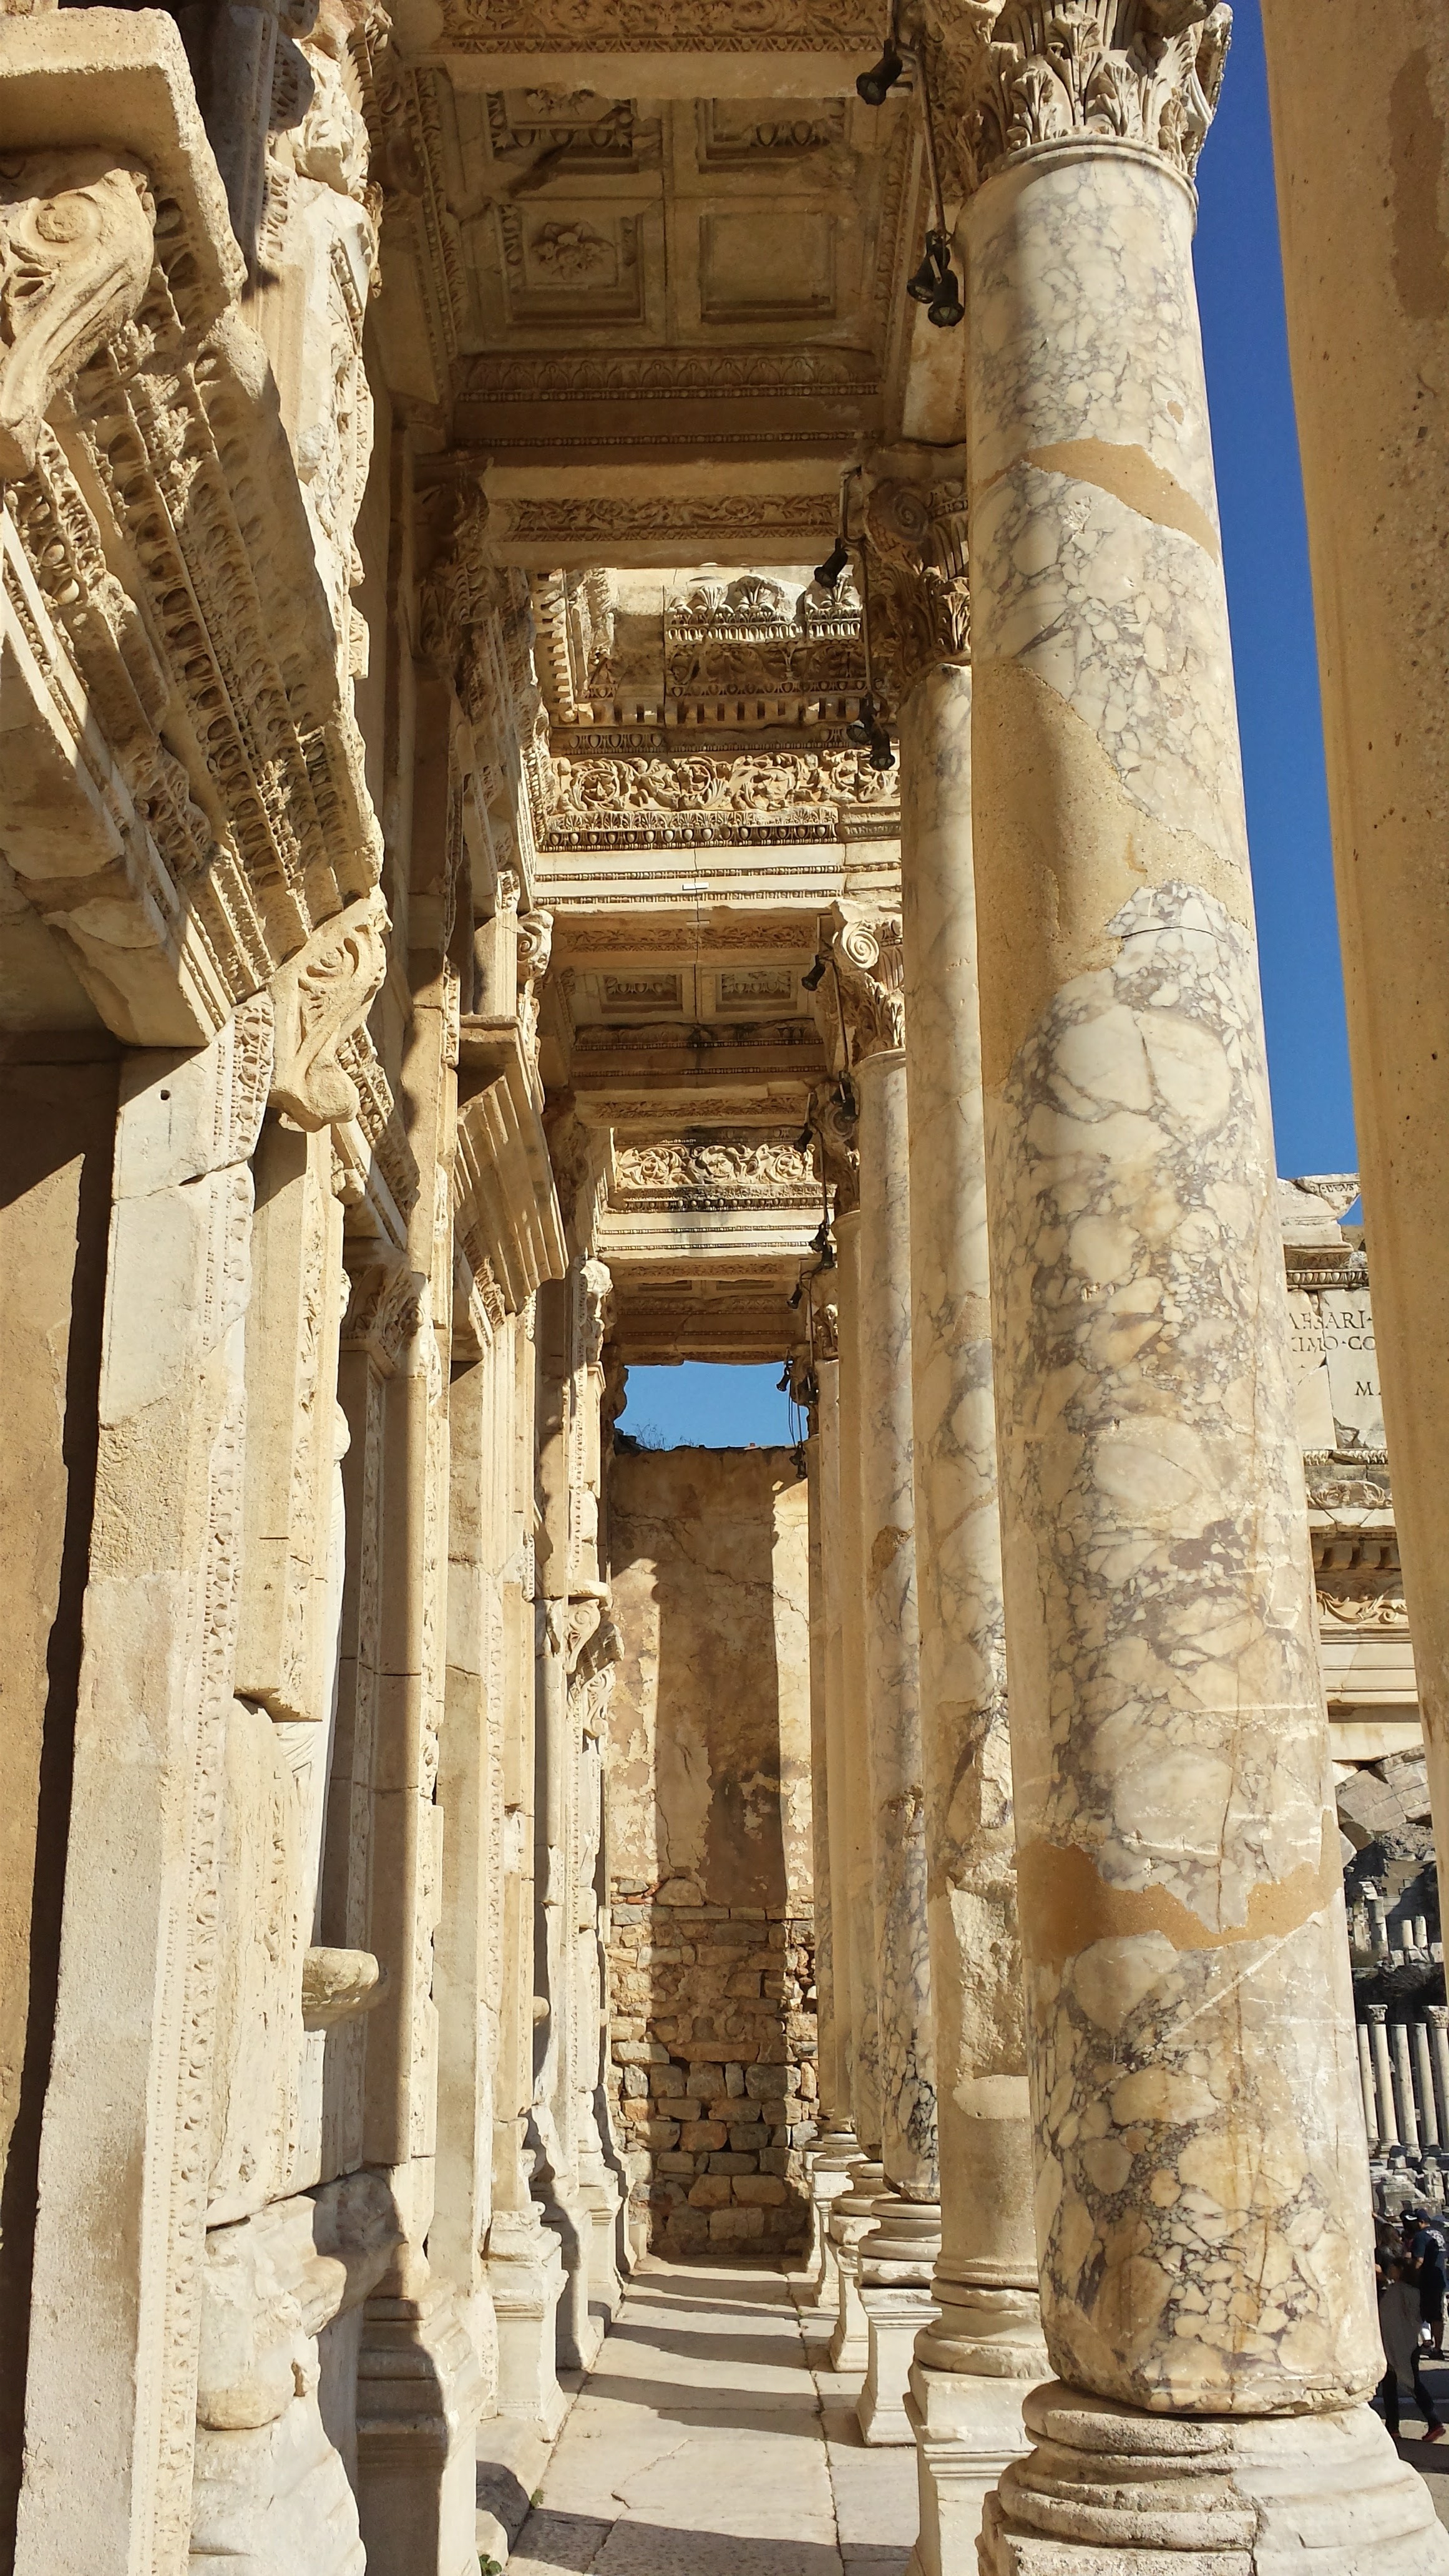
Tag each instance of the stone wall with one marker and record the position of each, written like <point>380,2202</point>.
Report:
<point>709,1846</point>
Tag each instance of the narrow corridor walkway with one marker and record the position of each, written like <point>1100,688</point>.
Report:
<point>703,2444</point>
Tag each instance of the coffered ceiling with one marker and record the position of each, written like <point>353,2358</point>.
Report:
<point>613,238</point>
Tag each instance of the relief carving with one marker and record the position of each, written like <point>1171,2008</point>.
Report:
<point>321,995</point>
<point>77,242</point>
<point>870,971</point>
<point>920,588</point>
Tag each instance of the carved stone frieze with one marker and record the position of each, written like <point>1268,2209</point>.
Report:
<point>783,794</point>
<point>628,26</point>
<point>1013,74</point>
<point>714,1170</point>
<point>77,240</point>
<point>663,374</point>
<point>572,524</point>
<point>321,996</point>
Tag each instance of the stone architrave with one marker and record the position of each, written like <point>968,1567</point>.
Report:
<point>896,2260</point>
<point>1367,291</point>
<point>1178,1862</point>
<point>975,2363</point>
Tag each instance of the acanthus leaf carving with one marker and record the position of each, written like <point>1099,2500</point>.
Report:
<point>321,995</point>
<point>77,244</point>
<point>920,586</point>
<point>1013,74</point>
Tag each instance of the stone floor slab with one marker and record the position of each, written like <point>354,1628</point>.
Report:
<point>703,2445</point>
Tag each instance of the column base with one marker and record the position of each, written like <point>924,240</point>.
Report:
<point>419,2399</point>
<point>827,2164</point>
<point>968,2430</point>
<point>526,2278</point>
<point>896,2316</point>
<point>1110,2491</point>
<point>852,2217</point>
<point>601,2201</point>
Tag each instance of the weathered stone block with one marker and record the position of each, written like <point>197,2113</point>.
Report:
<point>762,2189</point>
<point>713,2191</point>
<point>729,2163</point>
<point>726,2225</point>
<point>699,2134</point>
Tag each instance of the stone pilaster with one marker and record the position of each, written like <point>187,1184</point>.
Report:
<point>896,2260</point>
<point>1178,1864</point>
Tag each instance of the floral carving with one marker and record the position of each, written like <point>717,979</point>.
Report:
<point>921,591</point>
<point>570,252</point>
<point>622,26</point>
<point>711,1171</point>
<point>77,243</point>
<point>1027,72</point>
<point>321,995</point>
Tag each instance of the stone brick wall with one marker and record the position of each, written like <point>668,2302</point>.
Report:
<point>710,1926</point>
<point>714,2042</point>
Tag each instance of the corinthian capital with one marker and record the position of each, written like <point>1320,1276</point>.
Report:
<point>920,590</point>
<point>77,240</point>
<point>1016,73</point>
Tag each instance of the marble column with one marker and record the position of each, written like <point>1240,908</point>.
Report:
<point>1437,2017</point>
<point>976,2362</point>
<point>1203,2217</point>
<point>859,1873</point>
<point>829,2158</point>
<point>1366,2085</point>
<point>896,2259</point>
<point>1360,110</point>
<point>1404,2085</point>
<point>1388,2119</point>
<point>1424,2083</point>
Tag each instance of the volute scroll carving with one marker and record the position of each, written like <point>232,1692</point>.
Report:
<point>77,244</point>
<point>322,995</point>
<point>870,966</point>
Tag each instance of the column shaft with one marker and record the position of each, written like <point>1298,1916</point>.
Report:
<point>974,2362</point>
<point>1424,2084</point>
<point>1388,2119</point>
<point>865,2104</point>
<point>1178,1865</point>
<point>908,2106</point>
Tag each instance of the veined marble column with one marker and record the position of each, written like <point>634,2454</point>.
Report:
<point>1360,107</point>
<point>896,2259</point>
<point>976,2362</point>
<point>1203,2216</point>
<point>859,1875</point>
<point>836,2148</point>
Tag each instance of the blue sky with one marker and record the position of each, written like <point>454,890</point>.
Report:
<point>1265,553</point>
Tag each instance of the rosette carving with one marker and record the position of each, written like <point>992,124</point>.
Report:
<point>77,242</point>
<point>1016,73</point>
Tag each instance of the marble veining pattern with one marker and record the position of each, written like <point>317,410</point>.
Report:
<point>908,2101</point>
